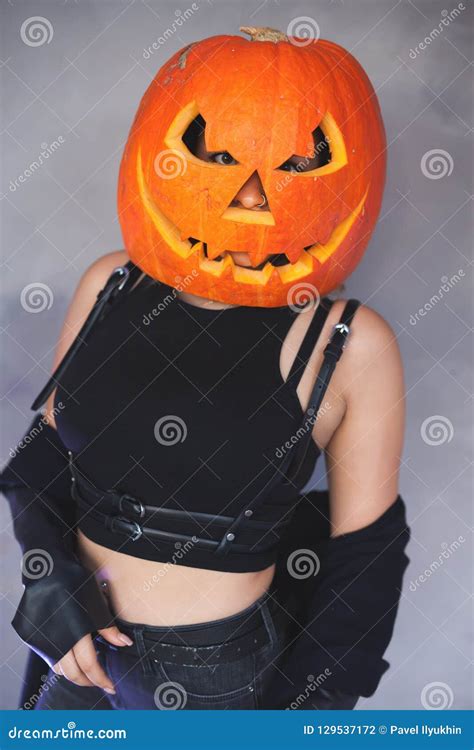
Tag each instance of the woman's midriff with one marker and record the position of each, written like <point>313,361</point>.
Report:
<point>156,593</point>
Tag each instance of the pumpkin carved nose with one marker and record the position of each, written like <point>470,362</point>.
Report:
<point>251,195</point>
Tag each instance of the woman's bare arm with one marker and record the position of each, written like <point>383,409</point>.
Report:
<point>363,456</point>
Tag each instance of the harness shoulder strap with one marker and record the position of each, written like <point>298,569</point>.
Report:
<point>294,459</point>
<point>332,354</point>
<point>311,336</point>
<point>120,280</point>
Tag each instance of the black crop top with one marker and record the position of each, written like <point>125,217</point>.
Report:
<point>177,421</point>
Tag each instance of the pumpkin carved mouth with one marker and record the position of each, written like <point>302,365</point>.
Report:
<point>310,259</point>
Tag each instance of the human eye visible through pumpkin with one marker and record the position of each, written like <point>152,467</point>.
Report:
<point>194,140</point>
<point>320,156</point>
<point>222,157</point>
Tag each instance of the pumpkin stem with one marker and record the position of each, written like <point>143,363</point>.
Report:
<point>264,34</point>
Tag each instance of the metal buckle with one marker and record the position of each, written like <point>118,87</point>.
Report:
<point>136,505</point>
<point>123,271</point>
<point>136,531</point>
<point>343,329</point>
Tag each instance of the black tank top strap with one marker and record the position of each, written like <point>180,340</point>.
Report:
<point>120,281</point>
<point>294,461</point>
<point>309,341</point>
<point>332,354</point>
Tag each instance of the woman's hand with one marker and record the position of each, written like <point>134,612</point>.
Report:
<point>81,665</point>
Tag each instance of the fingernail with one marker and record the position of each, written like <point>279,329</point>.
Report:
<point>110,690</point>
<point>125,639</point>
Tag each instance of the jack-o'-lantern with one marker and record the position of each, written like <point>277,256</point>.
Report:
<point>266,103</point>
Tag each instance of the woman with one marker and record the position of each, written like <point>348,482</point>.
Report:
<point>221,377</point>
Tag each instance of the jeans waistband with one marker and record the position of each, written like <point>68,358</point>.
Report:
<point>208,633</point>
<point>261,624</point>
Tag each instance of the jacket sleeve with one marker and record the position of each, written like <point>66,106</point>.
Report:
<point>61,601</point>
<point>342,594</point>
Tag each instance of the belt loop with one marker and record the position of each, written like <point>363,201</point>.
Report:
<point>269,623</point>
<point>144,655</point>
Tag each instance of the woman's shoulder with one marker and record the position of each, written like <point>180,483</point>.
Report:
<point>372,353</point>
<point>93,279</point>
<point>99,271</point>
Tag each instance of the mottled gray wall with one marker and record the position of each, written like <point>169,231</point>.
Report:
<point>81,89</point>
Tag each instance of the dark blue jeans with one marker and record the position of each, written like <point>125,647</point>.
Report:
<point>142,682</point>
<point>189,675</point>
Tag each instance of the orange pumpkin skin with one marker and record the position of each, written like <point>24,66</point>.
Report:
<point>261,100</point>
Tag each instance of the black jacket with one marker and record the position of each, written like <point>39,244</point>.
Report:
<point>343,618</point>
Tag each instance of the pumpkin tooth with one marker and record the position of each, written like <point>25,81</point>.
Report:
<point>216,268</point>
<point>257,256</point>
<point>251,276</point>
<point>293,254</point>
<point>278,259</point>
<point>213,251</point>
<point>293,271</point>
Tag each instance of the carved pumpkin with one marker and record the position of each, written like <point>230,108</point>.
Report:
<point>261,100</point>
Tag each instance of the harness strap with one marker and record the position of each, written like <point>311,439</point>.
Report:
<point>332,354</point>
<point>124,514</point>
<point>121,279</point>
<point>310,338</point>
<point>294,459</point>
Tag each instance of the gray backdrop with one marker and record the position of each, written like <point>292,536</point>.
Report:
<point>70,89</point>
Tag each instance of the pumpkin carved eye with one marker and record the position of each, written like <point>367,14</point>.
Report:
<point>194,140</point>
<point>319,157</point>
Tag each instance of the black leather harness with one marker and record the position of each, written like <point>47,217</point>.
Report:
<point>127,515</point>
